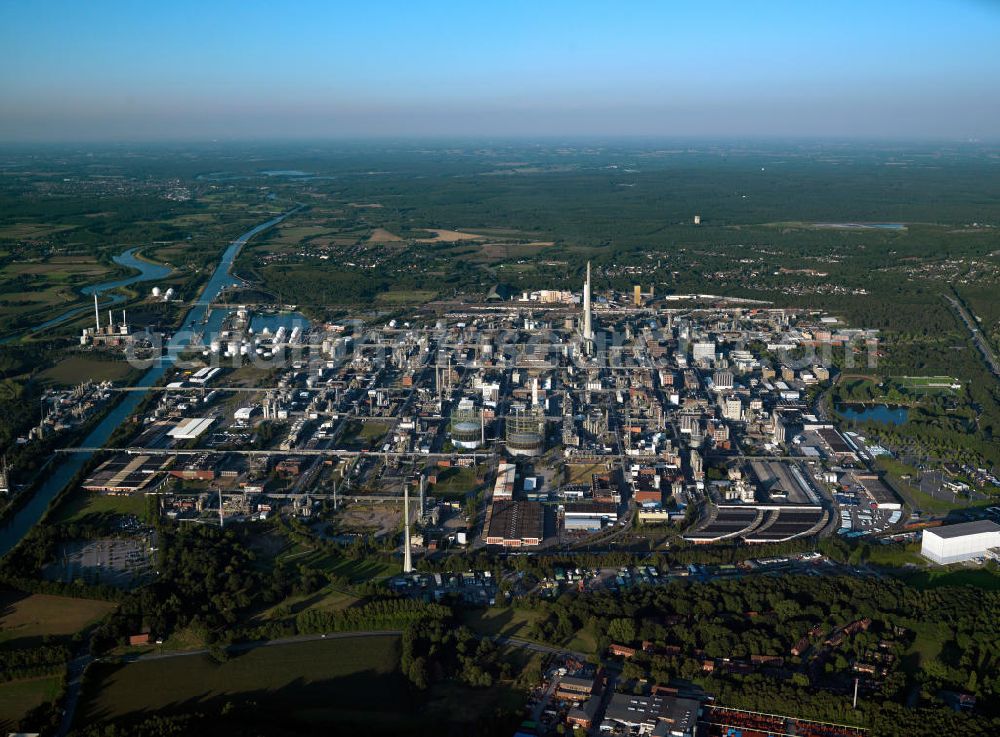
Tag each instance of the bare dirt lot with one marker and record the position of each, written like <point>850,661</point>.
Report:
<point>381,235</point>
<point>377,518</point>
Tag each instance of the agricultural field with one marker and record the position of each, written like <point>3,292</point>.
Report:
<point>26,618</point>
<point>353,682</point>
<point>80,367</point>
<point>34,291</point>
<point>31,231</point>
<point>408,297</point>
<point>19,697</point>
<point>345,678</point>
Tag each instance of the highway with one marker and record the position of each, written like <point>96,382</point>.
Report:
<point>977,336</point>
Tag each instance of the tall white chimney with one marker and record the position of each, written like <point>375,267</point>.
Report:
<point>407,553</point>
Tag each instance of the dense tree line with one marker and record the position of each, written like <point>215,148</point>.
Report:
<point>33,661</point>
<point>435,650</point>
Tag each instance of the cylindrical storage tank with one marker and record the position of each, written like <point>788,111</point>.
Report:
<point>466,435</point>
<point>525,435</point>
<point>156,291</point>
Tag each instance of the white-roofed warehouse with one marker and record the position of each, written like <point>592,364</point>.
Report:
<point>955,543</point>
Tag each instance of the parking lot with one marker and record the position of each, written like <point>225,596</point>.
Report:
<point>858,517</point>
<point>115,561</point>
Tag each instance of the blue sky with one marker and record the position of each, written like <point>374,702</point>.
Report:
<point>177,69</point>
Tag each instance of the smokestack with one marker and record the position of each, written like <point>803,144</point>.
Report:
<point>97,314</point>
<point>407,554</point>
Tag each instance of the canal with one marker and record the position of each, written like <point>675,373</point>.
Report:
<point>27,516</point>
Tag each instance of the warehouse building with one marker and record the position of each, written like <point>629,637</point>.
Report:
<point>190,428</point>
<point>956,543</point>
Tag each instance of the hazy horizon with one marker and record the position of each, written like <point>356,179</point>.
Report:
<point>115,71</point>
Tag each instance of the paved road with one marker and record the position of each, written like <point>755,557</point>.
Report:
<point>74,683</point>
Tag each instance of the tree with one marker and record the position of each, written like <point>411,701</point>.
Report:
<point>622,630</point>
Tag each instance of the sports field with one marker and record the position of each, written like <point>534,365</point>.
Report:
<point>927,383</point>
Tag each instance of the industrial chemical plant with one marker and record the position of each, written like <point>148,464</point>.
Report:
<point>526,423</point>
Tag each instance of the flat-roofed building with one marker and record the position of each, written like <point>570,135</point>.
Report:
<point>881,495</point>
<point>190,428</point>
<point>956,543</point>
<point>657,714</point>
<point>124,474</point>
<point>514,524</point>
<point>589,516</point>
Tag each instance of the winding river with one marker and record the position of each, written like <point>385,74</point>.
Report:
<point>62,471</point>
<point>148,271</point>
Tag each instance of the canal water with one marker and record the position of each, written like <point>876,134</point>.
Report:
<point>62,471</point>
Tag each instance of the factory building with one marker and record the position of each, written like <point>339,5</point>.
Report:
<point>588,516</point>
<point>956,543</point>
<point>514,524</point>
<point>111,334</point>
